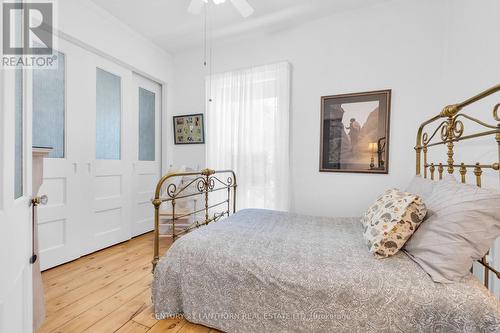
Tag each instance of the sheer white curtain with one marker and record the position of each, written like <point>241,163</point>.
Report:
<point>247,125</point>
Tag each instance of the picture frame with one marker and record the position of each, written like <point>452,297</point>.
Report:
<point>189,129</point>
<point>355,132</point>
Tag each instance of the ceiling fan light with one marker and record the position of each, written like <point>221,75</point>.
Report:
<point>218,2</point>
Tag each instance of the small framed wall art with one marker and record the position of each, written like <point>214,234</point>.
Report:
<point>189,129</point>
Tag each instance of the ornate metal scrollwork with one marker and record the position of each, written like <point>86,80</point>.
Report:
<point>445,131</point>
<point>171,190</point>
<point>425,137</point>
<point>458,129</point>
<point>211,183</point>
<point>496,115</point>
<point>201,185</point>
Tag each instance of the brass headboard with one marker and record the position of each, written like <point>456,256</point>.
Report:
<point>200,183</point>
<point>451,130</point>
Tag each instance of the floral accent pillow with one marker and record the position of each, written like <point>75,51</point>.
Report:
<point>391,221</point>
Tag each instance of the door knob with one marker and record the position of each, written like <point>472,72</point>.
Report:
<point>41,200</point>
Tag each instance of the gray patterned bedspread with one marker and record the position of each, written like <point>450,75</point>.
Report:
<point>267,271</point>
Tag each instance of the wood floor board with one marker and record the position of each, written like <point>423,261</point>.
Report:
<point>108,291</point>
<point>132,327</point>
<point>146,317</point>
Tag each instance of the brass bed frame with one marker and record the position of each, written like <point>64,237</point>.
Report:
<point>450,127</point>
<point>201,183</point>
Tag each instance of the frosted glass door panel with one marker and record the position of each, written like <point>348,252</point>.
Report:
<point>49,108</point>
<point>18,162</point>
<point>108,115</point>
<point>147,134</point>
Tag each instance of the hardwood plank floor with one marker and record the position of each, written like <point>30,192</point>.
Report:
<point>108,291</point>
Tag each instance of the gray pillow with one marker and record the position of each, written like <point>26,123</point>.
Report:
<point>465,222</point>
<point>421,186</point>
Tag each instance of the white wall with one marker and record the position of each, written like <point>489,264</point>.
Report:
<point>397,45</point>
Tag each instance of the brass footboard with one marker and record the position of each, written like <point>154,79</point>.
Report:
<point>199,184</point>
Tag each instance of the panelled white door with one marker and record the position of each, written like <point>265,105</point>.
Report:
<point>109,157</point>
<point>146,168</point>
<point>15,212</point>
<point>57,101</point>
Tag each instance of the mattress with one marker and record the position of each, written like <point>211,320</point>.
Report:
<point>268,271</point>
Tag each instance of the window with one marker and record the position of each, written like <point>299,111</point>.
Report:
<point>248,131</point>
<point>49,108</point>
<point>146,125</point>
<point>108,116</point>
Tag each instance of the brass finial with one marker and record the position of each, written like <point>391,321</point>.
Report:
<point>156,202</point>
<point>207,172</point>
<point>450,110</point>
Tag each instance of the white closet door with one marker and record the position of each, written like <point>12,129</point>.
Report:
<point>109,164</point>
<point>56,99</point>
<point>147,163</point>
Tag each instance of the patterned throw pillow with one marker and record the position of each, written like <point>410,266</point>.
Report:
<point>367,217</point>
<point>391,221</point>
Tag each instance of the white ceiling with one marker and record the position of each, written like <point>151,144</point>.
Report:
<point>168,24</point>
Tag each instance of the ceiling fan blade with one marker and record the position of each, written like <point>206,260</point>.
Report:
<point>243,7</point>
<point>195,6</point>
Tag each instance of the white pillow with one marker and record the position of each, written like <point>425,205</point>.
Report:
<point>422,187</point>
<point>465,222</point>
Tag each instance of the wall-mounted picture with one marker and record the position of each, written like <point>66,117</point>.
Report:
<point>355,132</point>
<point>189,129</point>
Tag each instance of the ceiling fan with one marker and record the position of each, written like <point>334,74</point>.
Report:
<point>242,6</point>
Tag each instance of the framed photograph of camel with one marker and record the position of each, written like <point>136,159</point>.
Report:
<point>355,132</point>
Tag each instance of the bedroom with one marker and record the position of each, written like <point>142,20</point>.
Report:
<point>137,65</point>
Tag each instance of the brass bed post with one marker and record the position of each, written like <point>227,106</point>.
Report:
<point>156,250</point>
<point>418,150</point>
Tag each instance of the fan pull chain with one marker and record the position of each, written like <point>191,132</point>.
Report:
<point>208,49</point>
